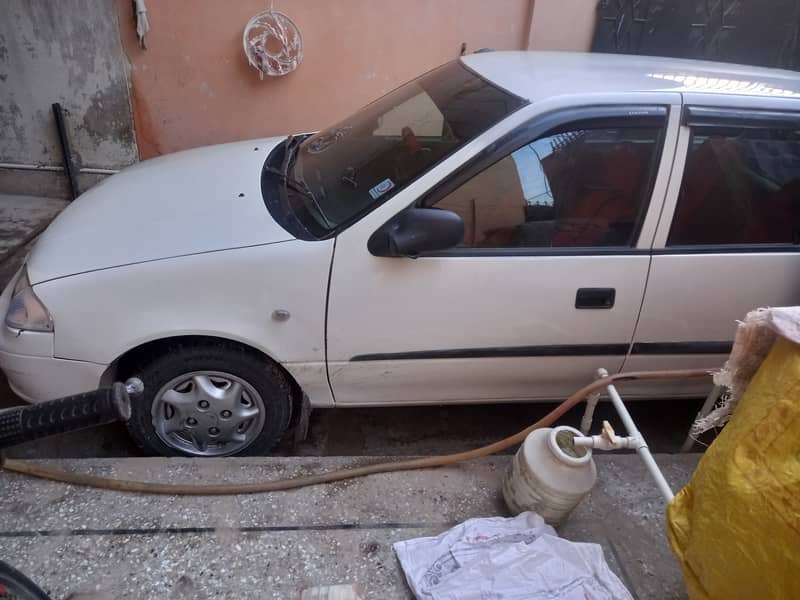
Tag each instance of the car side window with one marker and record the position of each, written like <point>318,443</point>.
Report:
<point>740,186</point>
<point>578,187</point>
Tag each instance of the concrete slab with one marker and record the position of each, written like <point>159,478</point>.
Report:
<point>21,216</point>
<point>114,545</point>
<point>22,219</point>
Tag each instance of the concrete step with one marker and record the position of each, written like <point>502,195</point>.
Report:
<point>22,218</point>
<point>75,540</point>
<point>22,215</point>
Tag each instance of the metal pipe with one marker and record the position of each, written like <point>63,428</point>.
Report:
<point>27,167</point>
<point>711,400</point>
<point>23,167</point>
<point>69,164</point>
<point>98,171</point>
<point>134,386</point>
<point>641,449</point>
<point>588,413</point>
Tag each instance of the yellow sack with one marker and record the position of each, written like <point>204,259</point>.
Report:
<point>735,527</point>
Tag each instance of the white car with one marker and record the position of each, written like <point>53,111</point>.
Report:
<point>492,231</point>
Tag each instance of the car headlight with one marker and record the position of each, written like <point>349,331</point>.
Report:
<point>26,311</point>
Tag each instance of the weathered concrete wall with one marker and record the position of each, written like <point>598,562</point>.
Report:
<point>65,51</point>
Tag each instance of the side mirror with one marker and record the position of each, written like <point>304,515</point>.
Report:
<point>417,230</point>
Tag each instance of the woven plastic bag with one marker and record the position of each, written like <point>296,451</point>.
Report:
<point>735,527</point>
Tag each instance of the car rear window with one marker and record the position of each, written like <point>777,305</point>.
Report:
<point>740,186</point>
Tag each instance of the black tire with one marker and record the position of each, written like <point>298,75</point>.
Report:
<point>265,377</point>
<point>14,584</point>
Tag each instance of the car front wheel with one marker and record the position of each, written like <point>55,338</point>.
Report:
<point>210,400</point>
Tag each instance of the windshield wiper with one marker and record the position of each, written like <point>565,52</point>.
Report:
<point>296,185</point>
<point>288,154</point>
<point>283,173</point>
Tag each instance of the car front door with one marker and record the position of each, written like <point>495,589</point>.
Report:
<point>546,286</point>
<point>728,240</point>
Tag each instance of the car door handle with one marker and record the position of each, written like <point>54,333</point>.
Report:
<point>595,298</point>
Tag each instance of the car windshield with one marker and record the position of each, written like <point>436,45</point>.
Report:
<point>332,178</point>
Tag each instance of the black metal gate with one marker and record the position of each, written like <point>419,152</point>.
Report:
<point>755,32</point>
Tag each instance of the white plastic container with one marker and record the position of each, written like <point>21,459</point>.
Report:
<point>549,474</point>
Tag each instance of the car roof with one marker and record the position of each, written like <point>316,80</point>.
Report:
<point>539,75</point>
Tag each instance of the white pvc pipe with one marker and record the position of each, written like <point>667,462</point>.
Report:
<point>599,442</point>
<point>658,476</point>
<point>642,449</point>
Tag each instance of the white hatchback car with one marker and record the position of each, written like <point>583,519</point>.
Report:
<point>494,230</point>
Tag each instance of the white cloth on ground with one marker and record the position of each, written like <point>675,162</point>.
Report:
<point>506,559</point>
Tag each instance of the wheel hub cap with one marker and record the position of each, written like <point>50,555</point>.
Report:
<point>208,413</point>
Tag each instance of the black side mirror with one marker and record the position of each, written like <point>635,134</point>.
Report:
<point>417,230</point>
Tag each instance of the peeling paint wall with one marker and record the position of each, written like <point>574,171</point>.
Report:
<point>193,86</point>
<point>65,51</point>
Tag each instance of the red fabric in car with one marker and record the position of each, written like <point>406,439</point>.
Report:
<point>605,192</point>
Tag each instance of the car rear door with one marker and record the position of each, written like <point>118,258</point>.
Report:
<point>727,242</point>
<point>547,285</point>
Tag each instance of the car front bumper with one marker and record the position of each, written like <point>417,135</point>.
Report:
<point>33,372</point>
<point>39,378</point>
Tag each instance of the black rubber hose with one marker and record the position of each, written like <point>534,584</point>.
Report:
<point>26,423</point>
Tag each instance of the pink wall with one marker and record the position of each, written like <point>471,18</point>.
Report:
<point>563,25</point>
<point>193,86</point>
